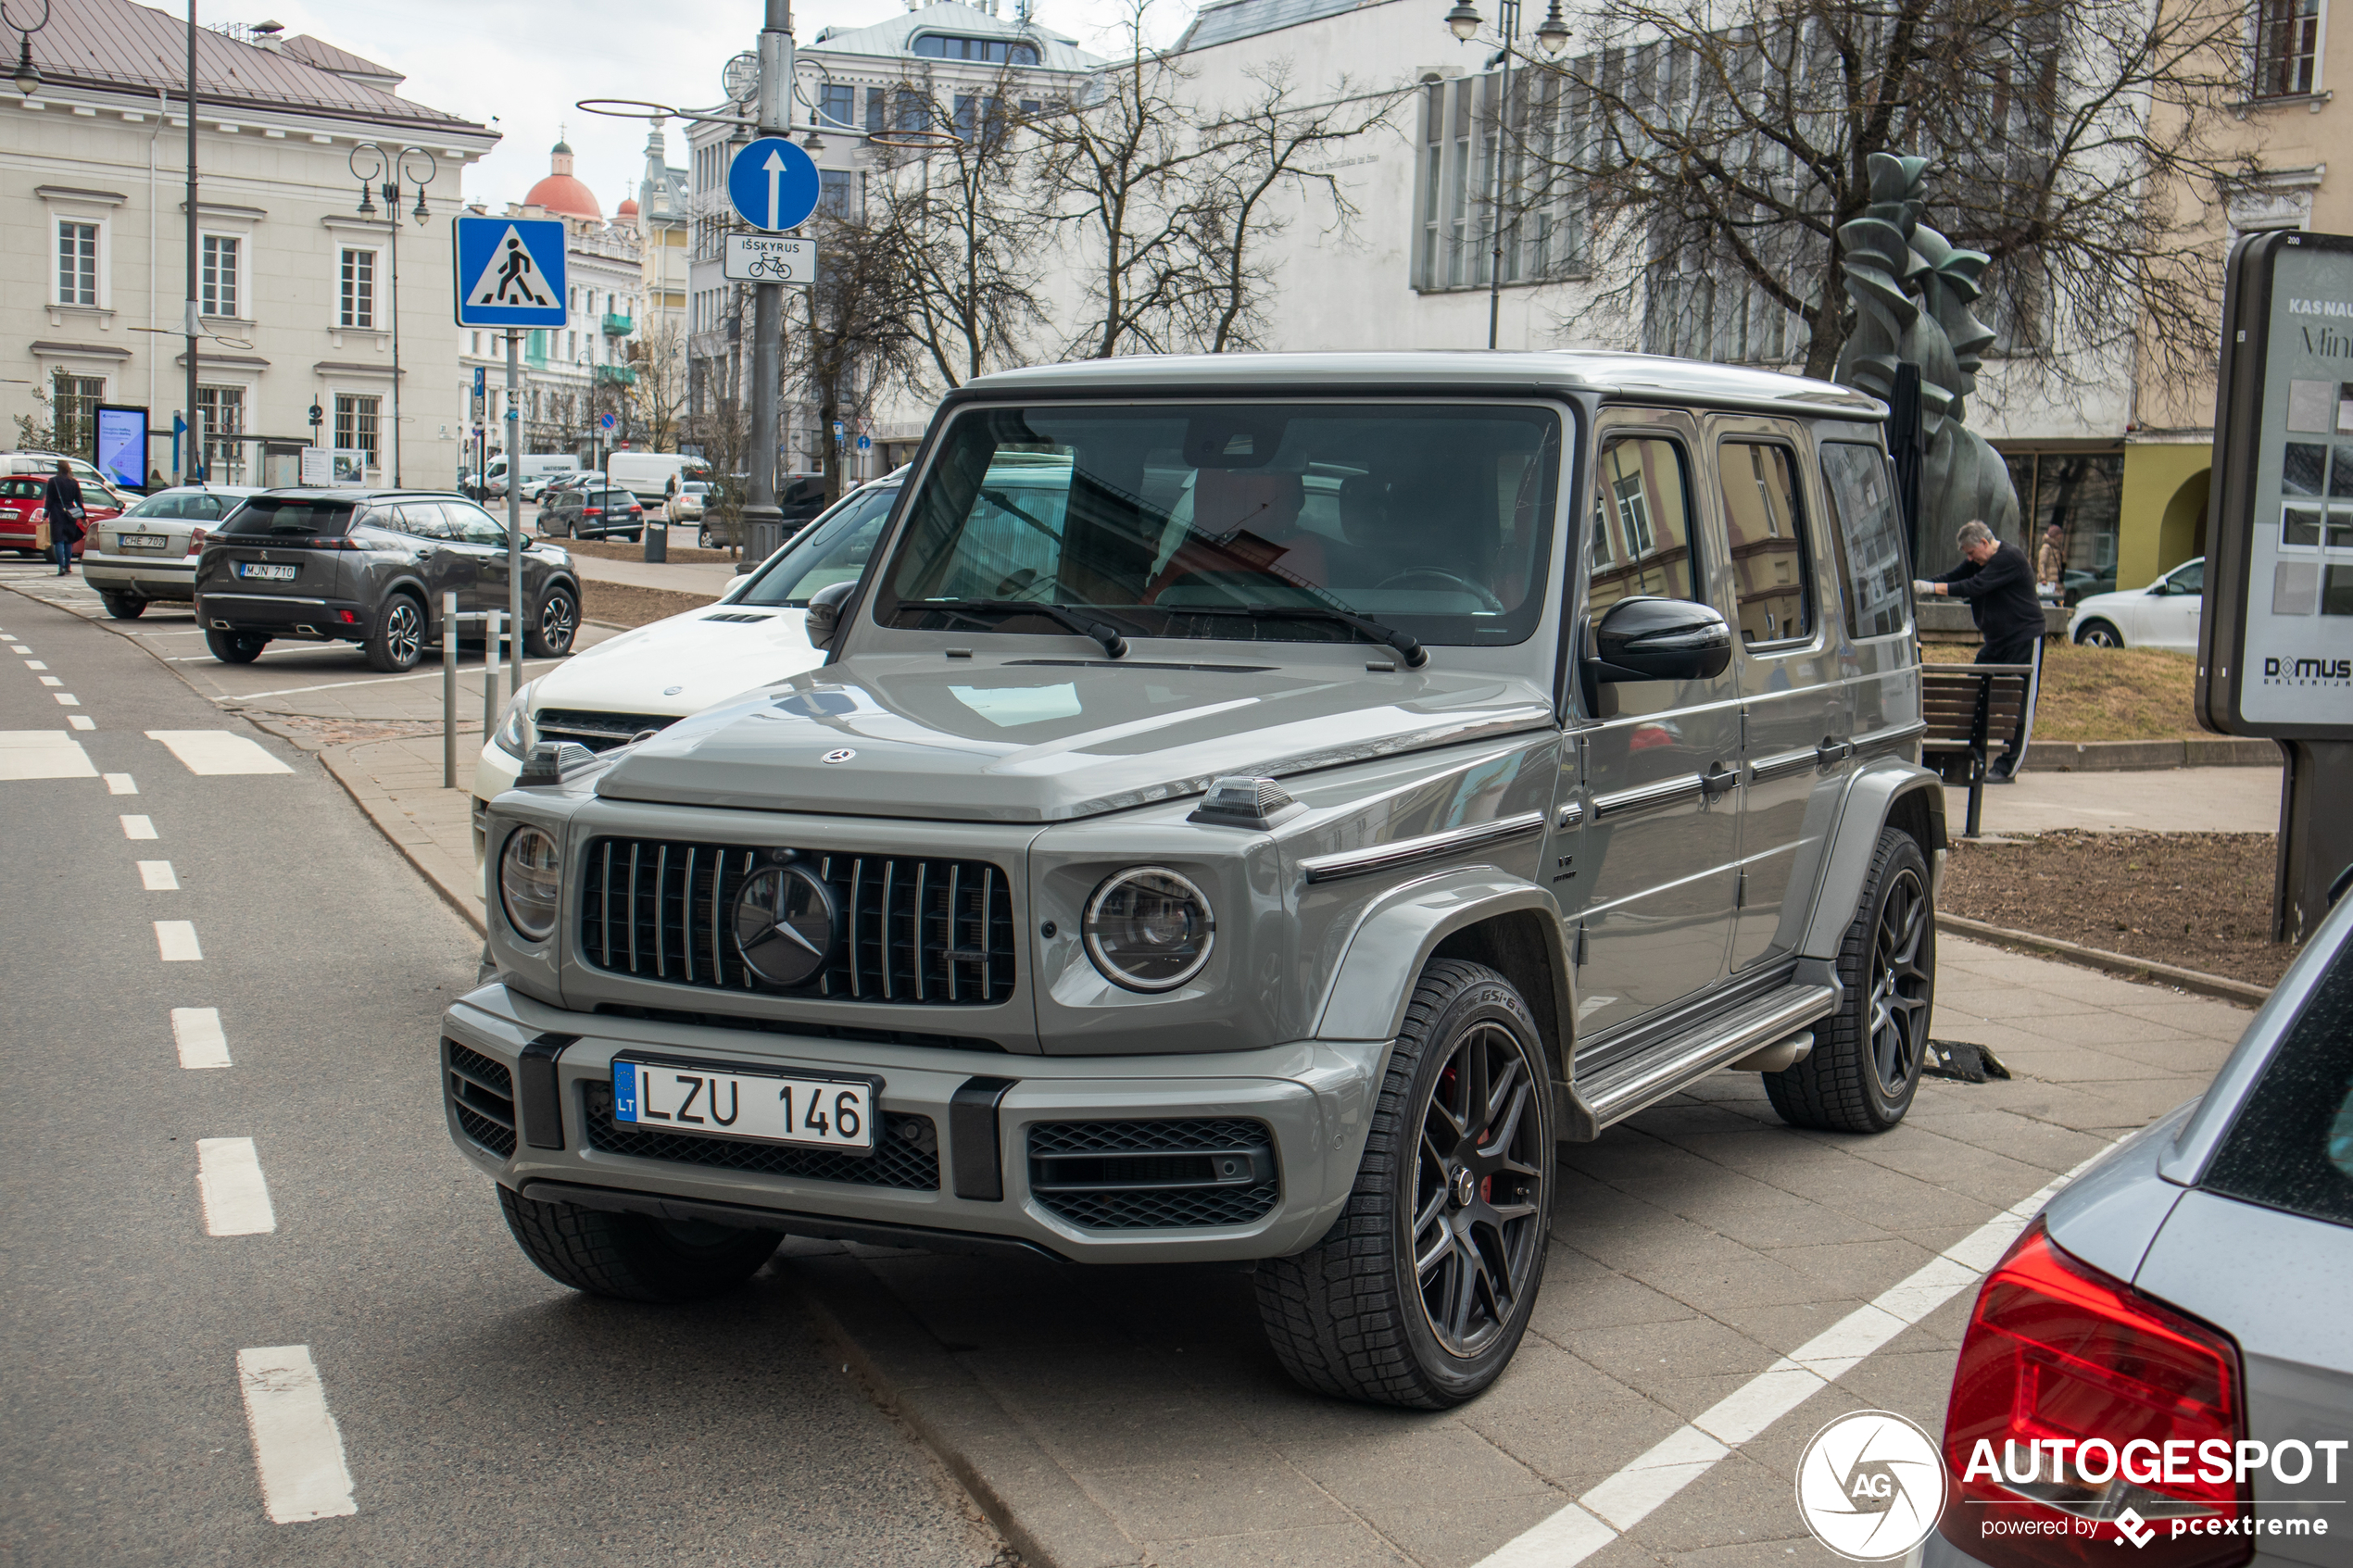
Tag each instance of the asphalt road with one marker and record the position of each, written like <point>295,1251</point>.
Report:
<point>480,1410</point>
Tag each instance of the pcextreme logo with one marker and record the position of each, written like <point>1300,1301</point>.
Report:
<point>1870,1486</point>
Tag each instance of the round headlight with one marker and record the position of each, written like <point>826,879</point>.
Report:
<point>527,883</point>
<point>1149,929</point>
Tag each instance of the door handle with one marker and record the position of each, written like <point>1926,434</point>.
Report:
<point>1832,752</point>
<point>1717,780</point>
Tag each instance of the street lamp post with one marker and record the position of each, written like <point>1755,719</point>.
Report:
<point>1464,22</point>
<point>392,168</point>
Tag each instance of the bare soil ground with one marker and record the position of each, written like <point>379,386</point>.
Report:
<point>2103,694</point>
<point>621,549</point>
<point>2198,900</point>
<point>614,604</point>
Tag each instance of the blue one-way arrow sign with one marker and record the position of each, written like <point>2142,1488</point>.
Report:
<point>510,271</point>
<point>772,184</point>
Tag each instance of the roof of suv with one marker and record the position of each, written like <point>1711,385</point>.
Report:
<point>1643,377</point>
<point>355,494</point>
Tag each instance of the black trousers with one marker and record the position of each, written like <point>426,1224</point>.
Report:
<point>2015,650</point>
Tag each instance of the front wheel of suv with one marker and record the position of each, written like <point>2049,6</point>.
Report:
<point>633,1257</point>
<point>1420,1292</point>
<point>1867,1059</point>
<point>399,641</point>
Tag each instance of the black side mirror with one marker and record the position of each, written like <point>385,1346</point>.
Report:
<point>824,613</point>
<point>1659,639</point>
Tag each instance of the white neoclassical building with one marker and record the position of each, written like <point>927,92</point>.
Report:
<point>296,287</point>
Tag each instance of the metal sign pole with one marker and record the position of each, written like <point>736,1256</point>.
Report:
<point>514,515</point>
<point>767,311</point>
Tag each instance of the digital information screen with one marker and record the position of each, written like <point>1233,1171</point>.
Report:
<point>121,452</point>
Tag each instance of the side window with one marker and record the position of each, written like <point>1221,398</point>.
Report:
<point>424,519</point>
<point>1874,582</point>
<point>472,524</point>
<point>1642,539</point>
<point>1765,518</point>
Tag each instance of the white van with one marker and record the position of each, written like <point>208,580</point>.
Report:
<point>647,475</point>
<point>530,465</point>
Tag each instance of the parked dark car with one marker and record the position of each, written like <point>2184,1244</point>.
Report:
<point>593,512</point>
<point>370,567</point>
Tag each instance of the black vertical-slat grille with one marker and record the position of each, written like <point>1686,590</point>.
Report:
<point>925,932</point>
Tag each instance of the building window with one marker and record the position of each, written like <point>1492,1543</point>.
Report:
<point>73,409</point>
<point>217,286</point>
<point>1543,210</point>
<point>989,51</point>
<point>220,419</point>
<point>77,264</point>
<point>356,421</point>
<point>360,291</point>
<point>876,97</point>
<point>2288,47</point>
<point>836,192</point>
<point>838,106</point>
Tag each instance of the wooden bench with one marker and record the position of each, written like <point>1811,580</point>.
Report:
<point>1969,709</point>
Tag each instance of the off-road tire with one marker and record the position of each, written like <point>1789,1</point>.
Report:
<point>1842,1086</point>
<point>396,644</point>
<point>124,607</point>
<point>633,1257</point>
<point>232,648</point>
<point>551,634</point>
<point>1346,1317</point>
<point>2098,635</point>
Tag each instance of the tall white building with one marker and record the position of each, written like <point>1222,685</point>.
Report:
<point>296,287</point>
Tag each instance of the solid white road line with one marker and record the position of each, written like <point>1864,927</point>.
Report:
<point>158,876</point>
<point>176,940</point>
<point>218,751</point>
<point>121,783</point>
<point>43,754</point>
<point>236,1201</point>
<point>1625,1499</point>
<point>138,827</point>
<point>67,698</point>
<point>78,723</point>
<point>296,1447</point>
<point>433,674</point>
<point>196,1031</point>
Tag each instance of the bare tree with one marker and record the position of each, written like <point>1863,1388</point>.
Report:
<point>1721,144</point>
<point>657,401</point>
<point>860,339</point>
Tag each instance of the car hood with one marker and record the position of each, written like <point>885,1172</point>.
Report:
<point>1049,740</point>
<point>682,664</point>
<point>2093,603</point>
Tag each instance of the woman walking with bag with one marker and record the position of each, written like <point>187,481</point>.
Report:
<point>62,501</point>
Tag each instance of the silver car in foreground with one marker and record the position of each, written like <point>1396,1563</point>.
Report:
<point>2176,1330</point>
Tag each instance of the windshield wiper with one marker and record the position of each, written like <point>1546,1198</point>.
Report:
<point>1412,651</point>
<point>1103,632</point>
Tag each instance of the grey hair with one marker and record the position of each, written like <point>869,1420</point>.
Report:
<point>1974,533</point>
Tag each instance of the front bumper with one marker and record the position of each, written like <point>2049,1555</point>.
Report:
<point>1312,1100</point>
<point>170,578</point>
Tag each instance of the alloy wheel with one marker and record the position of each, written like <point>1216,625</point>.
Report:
<point>1478,1190</point>
<point>403,635</point>
<point>556,623</point>
<point>1899,983</point>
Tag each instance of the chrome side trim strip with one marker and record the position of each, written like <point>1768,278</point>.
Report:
<point>1429,846</point>
<point>1787,762</point>
<point>1895,735</point>
<point>1664,792</point>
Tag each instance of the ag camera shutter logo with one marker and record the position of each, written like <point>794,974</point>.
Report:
<point>1870,1486</point>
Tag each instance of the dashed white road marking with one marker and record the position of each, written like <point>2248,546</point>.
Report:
<point>138,827</point>
<point>68,699</point>
<point>50,680</point>
<point>218,751</point>
<point>1616,1506</point>
<point>158,876</point>
<point>35,664</point>
<point>43,754</point>
<point>78,723</point>
<point>237,1199</point>
<point>121,783</point>
<point>197,1032</point>
<point>296,1447</point>
<point>176,940</point>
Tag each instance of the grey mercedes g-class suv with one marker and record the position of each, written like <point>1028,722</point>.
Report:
<point>1320,785</point>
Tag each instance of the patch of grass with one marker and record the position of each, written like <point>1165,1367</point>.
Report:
<point>2104,693</point>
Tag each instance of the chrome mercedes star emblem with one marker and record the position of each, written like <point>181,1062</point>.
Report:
<point>785,920</point>
<point>844,754</point>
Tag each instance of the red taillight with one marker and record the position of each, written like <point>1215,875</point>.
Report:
<point>348,618</point>
<point>592,511</point>
<point>196,536</point>
<point>2061,1359</point>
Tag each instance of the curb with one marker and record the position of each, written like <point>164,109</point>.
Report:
<point>1043,1512</point>
<point>2133,756</point>
<point>393,824</point>
<point>2115,963</point>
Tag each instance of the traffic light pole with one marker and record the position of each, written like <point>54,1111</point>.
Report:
<point>768,305</point>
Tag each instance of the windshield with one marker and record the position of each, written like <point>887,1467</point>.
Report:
<point>833,549</point>
<point>1279,522</point>
<point>268,515</point>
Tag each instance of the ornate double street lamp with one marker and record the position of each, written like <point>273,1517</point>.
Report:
<point>370,163</point>
<point>1464,22</point>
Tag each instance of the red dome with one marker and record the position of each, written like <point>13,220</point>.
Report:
<point>561,193</point>
<point>628,208</point>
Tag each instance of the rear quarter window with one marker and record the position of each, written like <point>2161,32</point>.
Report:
<point>1873,576</point>
<point>2291,1146</point>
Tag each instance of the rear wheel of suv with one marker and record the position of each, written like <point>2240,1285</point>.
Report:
<point>1420,1292</point>
<point>233,647</point>
<point>558,624</point>
<point>1867,1059</point>
<point>399,639</point>
<point>124,607</point>
<point>633,1257</point>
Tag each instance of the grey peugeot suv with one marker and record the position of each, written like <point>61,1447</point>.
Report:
<point>1329,781</point>
<point>371,566</point>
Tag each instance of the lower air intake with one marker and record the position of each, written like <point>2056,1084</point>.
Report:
<point>906,1155</point>
<point>1154,1175</point>
<point>483,1094</point>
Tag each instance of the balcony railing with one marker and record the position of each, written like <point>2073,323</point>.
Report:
<point>618,375</point>
<point>618,326</point>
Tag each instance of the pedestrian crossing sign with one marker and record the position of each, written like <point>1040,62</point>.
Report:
<point>510,272</point>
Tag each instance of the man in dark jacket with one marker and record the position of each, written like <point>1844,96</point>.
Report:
<point>1998,582</point>
<point>62,501</point>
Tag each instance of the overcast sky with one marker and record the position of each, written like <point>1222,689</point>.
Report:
<point>521,67</point>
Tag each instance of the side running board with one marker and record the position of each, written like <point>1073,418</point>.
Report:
<point>1626,1087</point>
